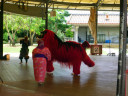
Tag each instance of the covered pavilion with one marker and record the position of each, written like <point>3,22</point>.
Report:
<point>27,7</point>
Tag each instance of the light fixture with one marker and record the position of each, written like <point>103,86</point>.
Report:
<point>23,4</point>
<point>53,12</point>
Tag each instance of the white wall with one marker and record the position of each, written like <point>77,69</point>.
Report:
<point>111,33</point>
<point>75,29</point>
<point>82,33</point>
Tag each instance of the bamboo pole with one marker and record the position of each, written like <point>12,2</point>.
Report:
<point>122,50</point>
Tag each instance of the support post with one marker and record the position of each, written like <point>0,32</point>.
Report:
<point>1,29</point>
<point>86,34</point>
<point>93,23</point>
<point>95,36</point>
<point>122,49</point>
<point>76,33</point>
<point>46,12</point>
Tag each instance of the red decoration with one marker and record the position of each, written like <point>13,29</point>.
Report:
<point>68,53</point>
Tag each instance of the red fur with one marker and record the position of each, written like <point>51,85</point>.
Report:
<point>69,53</point>
<point>85,44</point>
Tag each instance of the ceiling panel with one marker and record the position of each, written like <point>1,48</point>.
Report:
<point>70,4</point>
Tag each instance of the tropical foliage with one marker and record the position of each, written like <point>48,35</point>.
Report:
<point>16,26</point>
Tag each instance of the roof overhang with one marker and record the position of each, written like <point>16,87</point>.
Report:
<point>28,10</point>
<point>70,4</point>
<point>99,25</point>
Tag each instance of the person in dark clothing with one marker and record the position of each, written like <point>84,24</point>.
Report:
<point>9,41</point>
<point>24,50</point>
<point>79,39</point>
<point>8,38</point>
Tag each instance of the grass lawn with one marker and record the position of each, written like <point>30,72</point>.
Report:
<point>16,49</point>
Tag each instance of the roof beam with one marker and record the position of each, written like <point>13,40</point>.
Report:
<point>72,4</point>
<point>85,4</point>
<point>98,2</point>
<point>81,4</point>
<point>110,5</point>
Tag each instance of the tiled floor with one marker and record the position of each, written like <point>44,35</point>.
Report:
<point>97,81</point>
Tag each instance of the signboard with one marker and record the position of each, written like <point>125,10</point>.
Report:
<point>96,49</point>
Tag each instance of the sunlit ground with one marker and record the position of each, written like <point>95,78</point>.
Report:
<point>9,49</point>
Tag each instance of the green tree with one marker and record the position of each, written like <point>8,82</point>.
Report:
<point>69,33</point>
<point>33,26</point>
<point>58,22</point>
<point>12,25</point>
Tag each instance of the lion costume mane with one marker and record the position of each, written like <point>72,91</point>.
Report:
<point>69,53</point>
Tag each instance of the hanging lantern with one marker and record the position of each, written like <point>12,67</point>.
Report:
<point>23,4</point>
<point>53,13</point>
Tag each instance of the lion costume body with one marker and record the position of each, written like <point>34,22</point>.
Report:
<point>69,53</point>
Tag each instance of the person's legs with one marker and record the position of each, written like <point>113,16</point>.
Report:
<point>21,56</point>
<point>40,83</point>
<point>20,61</point>
<point>26,60</point>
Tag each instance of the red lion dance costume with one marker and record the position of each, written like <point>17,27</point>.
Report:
<point>69,53</point>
